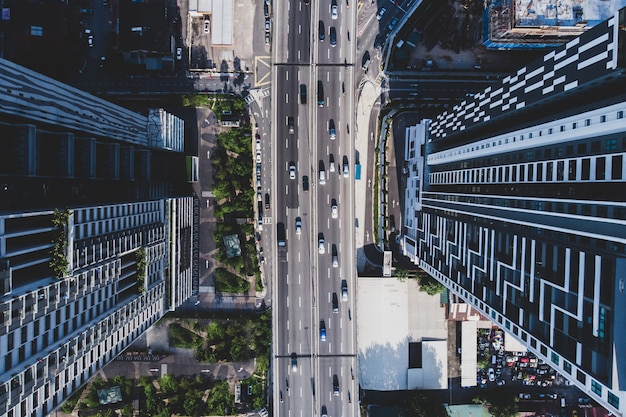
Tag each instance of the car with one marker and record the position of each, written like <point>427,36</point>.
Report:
<point>393,23</point>
<point>294,362</point>
<point>305,183</point>
<point>552,396</point>
<point>281,396</point>
<point>321,247</point>
<point>302,93</point>
<point>381,13</point>
<point>335,301</point>
<point>333,36</point>
<point>321,30</point>
<point>267,201</point>
<point>179,53</point>
<point>267,38</point>
<point>324,412</point>
<point>331,163</point>
<point>334,213</point>
<point>491,374</point>
<point>346,173</point>
<point>298,226</point>
<point>335,385</point>
<point>322,175</point>
<point>322,331</point>
<point>267,24</point>
<point>320,93</point>
<point>500,382</point>
<point>344,290</point>
<point>207,26</point>
<point>257,142</point>
<point>334,10</point>
<point>258,169</point>
<point>90,41</point>
<point>574,413</point>
<point>292,170</point>
<point>266,10</point>
<point>258,156</point>
<point>584,402</point>
<point>331,129</point>
<point>524,396</point>
<point>335,260</point>
<point>259,194</point>
<point>290,125</point>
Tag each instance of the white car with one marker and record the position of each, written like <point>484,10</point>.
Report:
<point>292,171</point>
<point>381,13</point>
<point>298,226</point>
<point>335,261</point>
<point>258,156</point>
<point>321,247</point>
<point>179,53</point>
<point>333,11</point>
<point>259,194</point>
<point>346,173</point>
<point>331,163</point>
<point>333,211</point>
<point>207,26</point>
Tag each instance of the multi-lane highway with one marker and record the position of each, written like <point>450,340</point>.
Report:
<point>313,189</point>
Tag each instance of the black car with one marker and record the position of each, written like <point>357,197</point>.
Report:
<point>266,10</point>
<point>335,385</point>
<point>322,31</point>
<point>267,201</point>
<point>305,183</point>
<point>335,303</point>
<point>302,93</point>
<point>333,36</point>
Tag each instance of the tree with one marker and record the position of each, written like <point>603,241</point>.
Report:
<point>429,284</point>
<point>418,404</point>
<point>501,403</point>
<point>193,403</point>
<point>168,384</point>
<point>401,274</point>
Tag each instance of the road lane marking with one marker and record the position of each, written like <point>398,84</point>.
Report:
<point>300,324</point>
<point>286,147</point>
<point>300,302</point>
<point>286,189</point>
<point>287,98</point>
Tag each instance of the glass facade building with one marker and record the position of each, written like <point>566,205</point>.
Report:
<point>516,202</point>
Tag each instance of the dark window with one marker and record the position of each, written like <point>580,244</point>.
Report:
<point>613,400</point>
<point>567,367</point>
<point>581,377</point>
<point>572,170</point>
<point>586,167</point>
<point>616,167</point>
<point>600,168</point>
<point>544,350</point>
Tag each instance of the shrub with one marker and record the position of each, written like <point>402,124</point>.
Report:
<point>226,281</point>
<point>182,337</point>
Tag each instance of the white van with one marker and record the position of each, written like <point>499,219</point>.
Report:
<point>322,177</point>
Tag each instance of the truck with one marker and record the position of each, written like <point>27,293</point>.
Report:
<point>281,238</point>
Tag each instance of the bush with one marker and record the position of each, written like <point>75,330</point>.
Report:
<point>182,337</point>
<point>226,281</point>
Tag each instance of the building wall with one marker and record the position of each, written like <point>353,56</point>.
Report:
<point>57,332</point>
<point>523,210</point>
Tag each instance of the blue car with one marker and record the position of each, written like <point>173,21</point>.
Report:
<point>322,331</point>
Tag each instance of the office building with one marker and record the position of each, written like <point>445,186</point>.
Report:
<point>517,203</point>
<point>94,245</point>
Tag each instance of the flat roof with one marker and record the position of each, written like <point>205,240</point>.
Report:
<point>393,314</point>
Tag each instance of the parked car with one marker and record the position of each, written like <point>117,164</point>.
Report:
<point>179,53</point>
<point>381,13</point>
<point>524,396</point>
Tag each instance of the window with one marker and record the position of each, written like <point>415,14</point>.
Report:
<point>603,118</point>
<point>555,358</point>
<point>581,377</point>
<point>567,367</point>
<point>611,144</point>
<point>620,114</point>
<point>585,169</point>
<point>600,168</point>
<point>596,387</point>
<point>616,167</point>
<point>613,400</point>
<point>544,350</point>
<point>587,122</point>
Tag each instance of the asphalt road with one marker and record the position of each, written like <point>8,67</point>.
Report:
<point>313,83</point>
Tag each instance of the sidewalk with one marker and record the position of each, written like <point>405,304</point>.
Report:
<point>365,142</point>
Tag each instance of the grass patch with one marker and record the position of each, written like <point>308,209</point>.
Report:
<point>182,337</point>
<point>225,281</point>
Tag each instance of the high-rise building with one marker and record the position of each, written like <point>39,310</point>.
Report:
<point>94,245</point>
<point>516,201</point>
